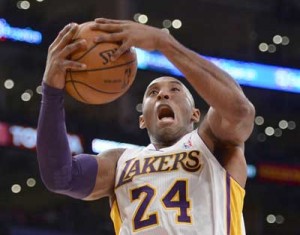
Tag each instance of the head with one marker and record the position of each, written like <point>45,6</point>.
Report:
<point>168,111</point>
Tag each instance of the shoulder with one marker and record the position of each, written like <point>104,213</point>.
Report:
<point>229,154</point>
<point>112,154</point>
<point>107,162</point>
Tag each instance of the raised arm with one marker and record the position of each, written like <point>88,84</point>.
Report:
<point>83,176</point>
<point>60,172</point>
<point>215,86</point>
<point>230,116</point>
<point>229,121</point>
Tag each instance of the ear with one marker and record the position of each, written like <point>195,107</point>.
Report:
<point>142,122</point>
<point>196,115</point>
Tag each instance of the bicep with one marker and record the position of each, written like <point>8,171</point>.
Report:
<point>226,142</point>
<point>105,178</point>
<point>236,132</point>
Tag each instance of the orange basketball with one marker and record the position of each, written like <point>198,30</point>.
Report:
<point>103,80</point>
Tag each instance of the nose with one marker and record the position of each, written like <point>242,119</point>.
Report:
<point>163,95</point>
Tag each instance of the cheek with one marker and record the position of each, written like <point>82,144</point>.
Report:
<point>147,112</point>
<point>147,115</point>
<point>186,112</point>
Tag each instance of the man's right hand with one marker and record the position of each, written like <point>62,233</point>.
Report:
<point>58,54</point>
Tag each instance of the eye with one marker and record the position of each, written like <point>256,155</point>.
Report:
<point>176,89</point>
<point>153,92</point>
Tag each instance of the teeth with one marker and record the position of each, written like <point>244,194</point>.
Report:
<point>167,118</point>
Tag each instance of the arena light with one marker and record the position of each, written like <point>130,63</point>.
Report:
<point>9,84</point>
<point>143,19</point>
<point>136,17</point>
<point>247,74</point>
<point>31,182</point>
<point>99,145</point>
<point>39,89</point>
<point>272,48</point>
<point>24,5</point>
<point>291,125</point>
<point>167,23</point>
<point>16,188</point>
<point>19,34</point>
<point>259,120</point>
<point>269,131</point>
<point>278,132</point>
<point>279,173</point>
<point>263,47</point>
<point>285,40</point>
<point>283,124</point>
<point>271,219</point>
<point>280,219</point>
<point>176,24</point>
<point>139,107</point>
<point>25,137</point>
<point>277,39</point>
<point>251,171</point>
<point>25,96</point>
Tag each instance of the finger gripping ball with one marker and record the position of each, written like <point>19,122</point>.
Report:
<point>103,80</point>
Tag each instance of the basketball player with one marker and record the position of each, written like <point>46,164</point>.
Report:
<point>185,181</point>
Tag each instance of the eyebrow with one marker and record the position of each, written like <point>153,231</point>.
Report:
<point>155,83</point>
<point>176,82</point>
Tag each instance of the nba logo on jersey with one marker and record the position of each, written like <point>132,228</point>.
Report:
<point>188,144</point>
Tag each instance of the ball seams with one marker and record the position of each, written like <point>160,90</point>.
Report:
<point>106,68</point>
<point>92,88</point>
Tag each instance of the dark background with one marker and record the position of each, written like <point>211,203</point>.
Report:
<point>229,29</point>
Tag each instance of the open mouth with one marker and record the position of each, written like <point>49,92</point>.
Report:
<point>165,112</point>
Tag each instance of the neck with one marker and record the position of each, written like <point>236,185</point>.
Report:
<point>165,140</point>
<point>160,145</point>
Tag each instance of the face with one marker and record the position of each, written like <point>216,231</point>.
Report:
<point>168,111</point>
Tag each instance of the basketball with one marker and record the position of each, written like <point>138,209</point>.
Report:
<point>102,81</point>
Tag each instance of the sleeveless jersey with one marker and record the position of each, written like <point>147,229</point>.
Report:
<point>181,189</point>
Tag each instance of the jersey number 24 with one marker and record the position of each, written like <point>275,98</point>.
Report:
<point>176,198</point>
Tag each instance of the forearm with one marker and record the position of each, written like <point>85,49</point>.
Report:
<point>51,135</point>
<point>61,172</point>
<point>214,85</point>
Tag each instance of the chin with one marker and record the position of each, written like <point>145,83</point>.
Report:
<point>169,134</point>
